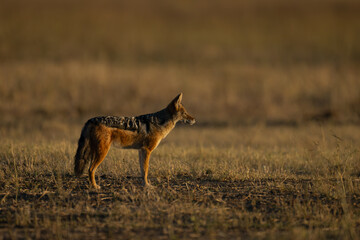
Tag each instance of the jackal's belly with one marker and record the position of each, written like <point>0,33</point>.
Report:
<point>126,139</point>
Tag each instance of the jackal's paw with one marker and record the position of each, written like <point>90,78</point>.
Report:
<point>97,187</point>
<point>148,186</point>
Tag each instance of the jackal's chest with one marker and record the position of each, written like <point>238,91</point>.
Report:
<point>166,129</point>
<point>156,135</point>
<point>166,132</point>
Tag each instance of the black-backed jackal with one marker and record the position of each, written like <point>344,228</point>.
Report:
<point>142,132</point>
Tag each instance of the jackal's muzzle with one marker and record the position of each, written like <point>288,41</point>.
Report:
<point>190,122</point>
<point>189,119</point>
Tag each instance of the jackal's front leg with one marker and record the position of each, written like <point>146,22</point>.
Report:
<point>144,157</point>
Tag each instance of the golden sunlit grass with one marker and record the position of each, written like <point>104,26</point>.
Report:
<point>208,183</point>
<point>227,93</point>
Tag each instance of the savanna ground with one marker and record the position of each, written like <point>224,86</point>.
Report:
<point>274,87</point>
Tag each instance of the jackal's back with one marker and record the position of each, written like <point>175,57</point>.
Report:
<point>125,123</point>
<point>139,123</point>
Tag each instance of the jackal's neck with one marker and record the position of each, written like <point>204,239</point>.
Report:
<point>165,117</point>
<point>167,122</point>
<point>160,118</point>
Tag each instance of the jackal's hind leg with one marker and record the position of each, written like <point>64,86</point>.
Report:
<point>100,155</point>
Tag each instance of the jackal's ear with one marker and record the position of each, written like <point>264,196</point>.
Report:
<point>176,102</point>
<point>178,98</point>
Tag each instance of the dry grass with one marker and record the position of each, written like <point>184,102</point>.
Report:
<point>248,94</point>
<point>255,182</point>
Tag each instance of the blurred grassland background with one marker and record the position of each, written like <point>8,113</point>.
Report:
<point>235,61</point>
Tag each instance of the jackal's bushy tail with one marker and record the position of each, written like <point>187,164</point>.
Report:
<point>83,153</point>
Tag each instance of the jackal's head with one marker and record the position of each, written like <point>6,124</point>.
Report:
<point>179,112</point>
